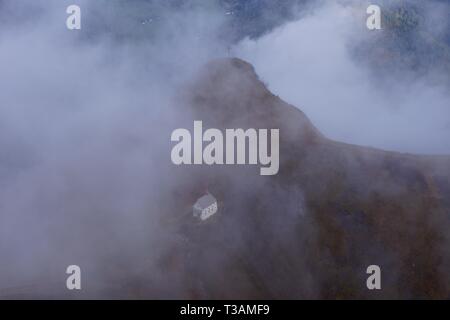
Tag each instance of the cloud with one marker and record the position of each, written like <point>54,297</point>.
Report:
<point>311,63</point>
<point>84,166</point>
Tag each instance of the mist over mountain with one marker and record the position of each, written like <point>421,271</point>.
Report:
<point>385,88</point>
<point>308,232</point>
<point>333,209</point>
<point>416,38</point>
<point>86,178</point>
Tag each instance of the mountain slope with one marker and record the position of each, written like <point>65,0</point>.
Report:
<point>312,230</point>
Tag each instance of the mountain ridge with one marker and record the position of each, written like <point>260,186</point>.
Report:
<point>333,209</point>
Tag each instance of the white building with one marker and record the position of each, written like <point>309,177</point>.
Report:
<point>205,207</point>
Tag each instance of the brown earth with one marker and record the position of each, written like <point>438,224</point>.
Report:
<point>312,230</point>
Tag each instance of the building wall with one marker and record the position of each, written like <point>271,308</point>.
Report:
<point>208,212</point>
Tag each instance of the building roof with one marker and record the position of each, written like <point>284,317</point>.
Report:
<point>205,201</point>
